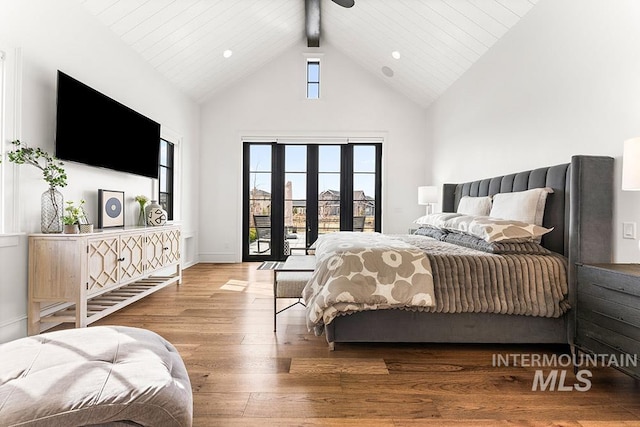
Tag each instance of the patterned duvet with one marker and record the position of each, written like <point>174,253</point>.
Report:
<point>365,271</point>
<point>370,271</point>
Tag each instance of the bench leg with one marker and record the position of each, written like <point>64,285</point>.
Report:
<point>275,292</point>
<point>274,313</point>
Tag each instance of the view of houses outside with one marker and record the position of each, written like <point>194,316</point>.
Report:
<point>295,212</point>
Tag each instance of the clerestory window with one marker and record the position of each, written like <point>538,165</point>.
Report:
<point>313,78</point>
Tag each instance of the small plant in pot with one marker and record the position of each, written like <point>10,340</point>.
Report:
<point>73,217</point>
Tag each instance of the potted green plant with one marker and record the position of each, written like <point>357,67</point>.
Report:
<point>73,217</point>
<point>54,175</point>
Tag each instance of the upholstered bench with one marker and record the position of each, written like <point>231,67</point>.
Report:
<point>289,279</point>
<point>101,375</point>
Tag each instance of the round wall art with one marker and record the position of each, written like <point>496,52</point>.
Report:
<point>110,208</point>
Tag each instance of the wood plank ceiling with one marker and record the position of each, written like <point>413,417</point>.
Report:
<point>438,40</point>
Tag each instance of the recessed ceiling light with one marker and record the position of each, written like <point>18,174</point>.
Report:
<point>227,53</point>
<point>387,71</point>
<point>395,54</point>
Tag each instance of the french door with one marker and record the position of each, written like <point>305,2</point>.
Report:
<point>295,192</point>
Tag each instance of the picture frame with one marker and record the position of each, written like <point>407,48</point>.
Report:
<point>110,208</point>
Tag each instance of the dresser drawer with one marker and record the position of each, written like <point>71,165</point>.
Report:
<point>627,361</point>
<point>609,279</point>
<point>608,330</point>
<point>609,306</point>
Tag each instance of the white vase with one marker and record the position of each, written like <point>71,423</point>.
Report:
<point>155,214</point>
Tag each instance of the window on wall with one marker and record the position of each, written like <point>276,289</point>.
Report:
<point>313,78</point>
<point>165,177</point>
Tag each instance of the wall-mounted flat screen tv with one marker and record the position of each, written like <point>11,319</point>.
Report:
<point>93,129</point>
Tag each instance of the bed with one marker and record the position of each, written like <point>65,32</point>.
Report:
<point>578,215</point>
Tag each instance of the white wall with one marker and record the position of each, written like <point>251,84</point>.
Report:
<point>272,103</point>
<point>564,81</point>
<point>61,35</point>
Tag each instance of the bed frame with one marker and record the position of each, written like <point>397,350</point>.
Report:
<point>580,212</point>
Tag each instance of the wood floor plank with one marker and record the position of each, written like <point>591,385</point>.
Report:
<point>541,406</point>
<point>484,423</point>
<point>439,384</point>
<point>320,366</point>
<point>294,422</point>
<point>341,405</point>
<point>213,405</point>
<point>265,383</point>
<point>244,374</point>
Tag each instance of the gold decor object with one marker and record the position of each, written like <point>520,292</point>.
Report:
<point>86,228</point>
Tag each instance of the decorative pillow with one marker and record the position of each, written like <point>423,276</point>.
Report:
<point>505,247</point>
<point>479,206</point>
<point>436,220</point>
<point>495,229</point>
<point>436,233</point>
<point>525,206</point>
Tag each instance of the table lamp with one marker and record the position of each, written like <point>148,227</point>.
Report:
<point>428,195</point>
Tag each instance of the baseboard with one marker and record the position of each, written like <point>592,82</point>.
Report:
<point>13,329</point>
<point>218,257</point>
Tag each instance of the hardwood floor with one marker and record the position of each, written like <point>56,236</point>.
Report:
<point>244,374</point>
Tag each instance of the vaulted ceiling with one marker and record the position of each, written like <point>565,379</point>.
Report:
<point>437,40</point>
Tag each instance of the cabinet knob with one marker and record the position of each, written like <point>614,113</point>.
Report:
<point>120,259</point>
<point>165,249</point>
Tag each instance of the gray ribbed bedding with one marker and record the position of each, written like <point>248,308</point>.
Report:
<point>470,281</point>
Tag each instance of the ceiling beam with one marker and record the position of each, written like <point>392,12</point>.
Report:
<point>312,22</point>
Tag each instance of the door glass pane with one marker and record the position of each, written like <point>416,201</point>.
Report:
<point>328,188</point>
<point>295,158</point>
<point>260,157</point>
<point>364,202</point>
<point>364,158</point>
<point>295,197</point>
<point>329,158</point>
<point>364,187</point>
<point>260,199</point>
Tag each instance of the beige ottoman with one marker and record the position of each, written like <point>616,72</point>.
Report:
<point>102,375</point>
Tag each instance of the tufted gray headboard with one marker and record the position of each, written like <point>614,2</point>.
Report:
<point>580,209</point>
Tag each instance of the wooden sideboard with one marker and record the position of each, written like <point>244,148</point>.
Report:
<point>89,276</point>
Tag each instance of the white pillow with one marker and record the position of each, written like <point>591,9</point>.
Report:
<point>478,206</point>
<point>436,220</point>
<point>525,206</point>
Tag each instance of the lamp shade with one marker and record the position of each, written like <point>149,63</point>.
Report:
<point>427,194</point>
<point>631,165</point>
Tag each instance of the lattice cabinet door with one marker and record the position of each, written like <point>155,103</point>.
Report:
<point>172,245</point>
<point>103,264</point>
<point>132,256</point>
<point>163,248</point>
<point>155,250</point>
